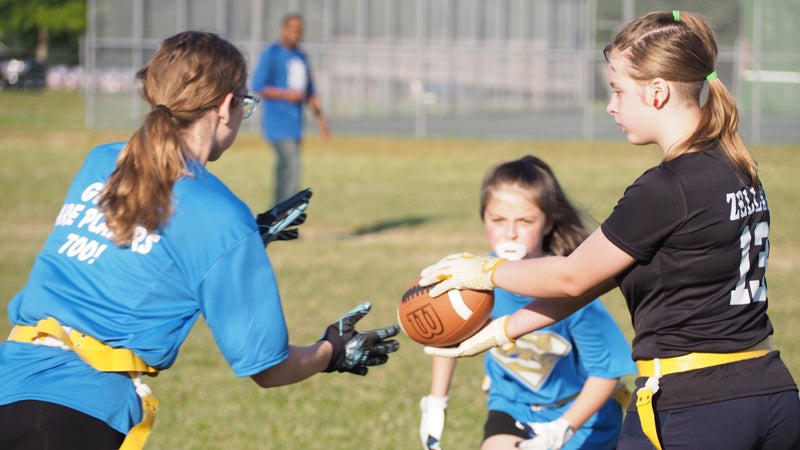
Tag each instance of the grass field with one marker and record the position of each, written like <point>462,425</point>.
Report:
<point>382,209</point>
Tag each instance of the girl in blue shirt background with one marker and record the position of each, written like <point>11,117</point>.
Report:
<point>562,377</point>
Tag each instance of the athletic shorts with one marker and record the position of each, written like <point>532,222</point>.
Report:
<point>33,424</point>
<point>766,422</point>
<point>600,431</point>
<point>499,422</point>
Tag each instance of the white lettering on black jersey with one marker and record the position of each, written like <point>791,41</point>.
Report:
<point>746,202</point>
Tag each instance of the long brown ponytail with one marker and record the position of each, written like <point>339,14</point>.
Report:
<point>189,74</point>
<point>680,47</point>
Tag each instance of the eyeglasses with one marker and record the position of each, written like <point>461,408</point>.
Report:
<point>249,104</point>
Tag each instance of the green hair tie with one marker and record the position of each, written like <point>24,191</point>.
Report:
<point>676,14</point>
<point>711,76</point>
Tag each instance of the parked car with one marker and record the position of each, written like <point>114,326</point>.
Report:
<point>21,73</point>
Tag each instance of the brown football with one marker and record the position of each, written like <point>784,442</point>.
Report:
<point>446,320</point>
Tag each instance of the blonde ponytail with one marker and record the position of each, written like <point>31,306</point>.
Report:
<point>719,127</point>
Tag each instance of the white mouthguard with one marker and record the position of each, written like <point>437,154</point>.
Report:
<point>511,251</point>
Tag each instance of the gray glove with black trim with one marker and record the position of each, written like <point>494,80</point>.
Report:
<point>354,351</point>
<point>274,223</point>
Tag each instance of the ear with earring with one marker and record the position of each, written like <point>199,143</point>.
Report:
<point>655,102</point>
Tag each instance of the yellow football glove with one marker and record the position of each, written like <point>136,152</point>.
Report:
<point>460,271</point>
<point>492,335</point>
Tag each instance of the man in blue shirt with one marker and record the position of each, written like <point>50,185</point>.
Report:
<point>283,79</point>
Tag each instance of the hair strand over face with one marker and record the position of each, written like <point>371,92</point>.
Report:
<point>535,177</point>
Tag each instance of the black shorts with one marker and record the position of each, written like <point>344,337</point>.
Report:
<point>765,421</point>
<point>499,422</point>
<point>31,424</point>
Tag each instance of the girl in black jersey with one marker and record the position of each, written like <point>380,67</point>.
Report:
<point>687,245</point>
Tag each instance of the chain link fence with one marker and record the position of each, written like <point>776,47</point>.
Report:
<point>516,69</point>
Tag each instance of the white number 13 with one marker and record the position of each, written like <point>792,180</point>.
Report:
<point>750,291</point>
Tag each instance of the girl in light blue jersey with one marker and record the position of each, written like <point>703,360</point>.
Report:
<point>148,240</point>
<point>562,377</point>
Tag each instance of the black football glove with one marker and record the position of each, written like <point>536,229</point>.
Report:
<point>274,224</point>
<point>355,351</point>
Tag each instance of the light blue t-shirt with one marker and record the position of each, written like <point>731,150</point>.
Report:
<point>284,68</point>
<point>208,260</point>
<point>552,364</point>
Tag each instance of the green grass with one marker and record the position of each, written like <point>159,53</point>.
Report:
<point>382,209</point>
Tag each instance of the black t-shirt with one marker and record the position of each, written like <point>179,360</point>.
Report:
<point>699,235</point>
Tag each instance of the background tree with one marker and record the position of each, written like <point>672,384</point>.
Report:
<point>34,26</point>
